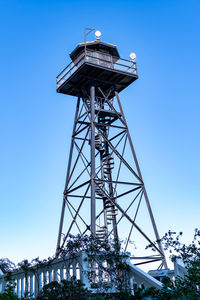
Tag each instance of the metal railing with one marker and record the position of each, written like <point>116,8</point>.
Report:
<point>99,59</point>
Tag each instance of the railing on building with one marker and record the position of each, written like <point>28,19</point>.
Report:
<point>31,282</point>
<point>100,59</point>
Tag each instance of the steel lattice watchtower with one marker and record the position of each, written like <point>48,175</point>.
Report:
<point>104,192</point>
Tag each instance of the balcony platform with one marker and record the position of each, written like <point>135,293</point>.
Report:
<point>105,73</point>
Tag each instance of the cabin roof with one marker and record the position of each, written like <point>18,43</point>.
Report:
<point>95,45</point>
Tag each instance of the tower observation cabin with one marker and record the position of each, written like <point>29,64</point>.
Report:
<point>98,62</point>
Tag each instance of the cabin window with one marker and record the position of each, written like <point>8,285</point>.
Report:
<point>99,58</point>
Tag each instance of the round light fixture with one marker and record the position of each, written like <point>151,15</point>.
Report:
<point>98,34</point>
<point>132,56</point>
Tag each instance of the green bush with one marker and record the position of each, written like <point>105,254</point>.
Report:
<point>72,290</point>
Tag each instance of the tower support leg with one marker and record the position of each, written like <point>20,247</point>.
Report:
<point>140,175</point>
<point>67,178</point>
<point>93,206</point>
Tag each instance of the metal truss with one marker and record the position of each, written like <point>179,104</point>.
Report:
<point>104,192</point>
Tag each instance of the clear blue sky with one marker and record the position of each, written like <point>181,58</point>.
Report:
<point>162,110</point>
